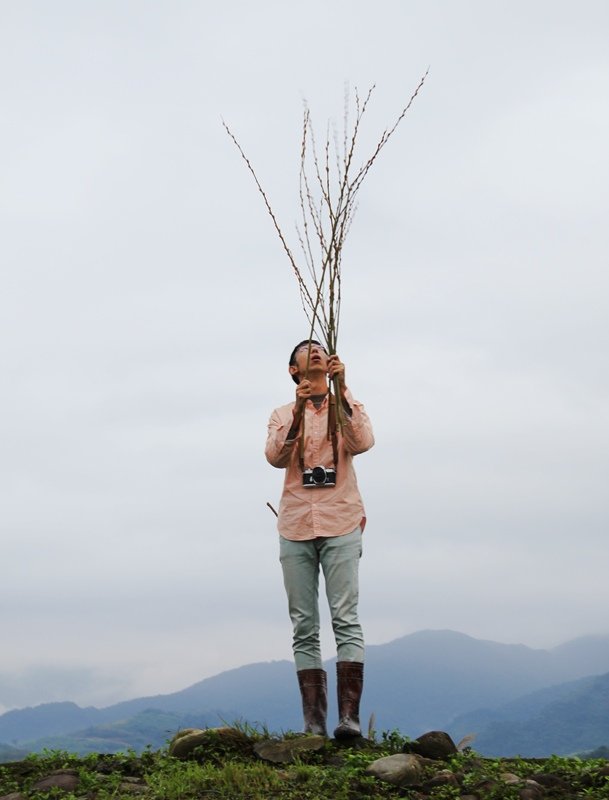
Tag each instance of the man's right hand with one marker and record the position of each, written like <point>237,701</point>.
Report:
<point>303,392</point>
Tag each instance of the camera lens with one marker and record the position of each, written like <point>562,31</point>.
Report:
<point>318,474</point>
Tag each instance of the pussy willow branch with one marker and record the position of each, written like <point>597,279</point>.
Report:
<point>386,136</point>
<point>304,290</point>
<point>327,207</point>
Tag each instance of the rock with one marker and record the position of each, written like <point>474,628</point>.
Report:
<point>212,741</point>
<point>285,751</point>
<point>510,778</point>
<point>186,732</point>
<point>550,781</point>
<point>434,744</point>
<point>487,787</point>
<point>13,796</point>
<point>443,778</point>
<point>132,786</point>
<point>66,780</point>
<point>184,742</point>
<point>532,791</point>
<point>402,769</point>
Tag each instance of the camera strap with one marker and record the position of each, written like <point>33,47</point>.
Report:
<point>332,427</point>
<point>332,433</point>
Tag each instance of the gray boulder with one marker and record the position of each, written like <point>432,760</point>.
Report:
<point>212,742</point>
<point>434,744</point>
<point>402,769</point>
<point>286,751</point>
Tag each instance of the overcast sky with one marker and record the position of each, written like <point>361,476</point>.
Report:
<point>147,311</point>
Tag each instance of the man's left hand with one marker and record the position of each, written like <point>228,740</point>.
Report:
<point>336,369</point>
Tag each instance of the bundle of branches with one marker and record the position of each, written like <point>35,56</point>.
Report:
<point>330,182</point>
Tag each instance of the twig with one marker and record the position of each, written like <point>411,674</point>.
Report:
<point>327,208</point>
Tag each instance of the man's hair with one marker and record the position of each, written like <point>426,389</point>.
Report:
<point>295,378</point>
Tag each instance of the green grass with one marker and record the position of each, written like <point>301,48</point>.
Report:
<point>334,773</point>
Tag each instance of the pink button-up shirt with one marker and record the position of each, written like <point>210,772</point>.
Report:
<point>308,512</point>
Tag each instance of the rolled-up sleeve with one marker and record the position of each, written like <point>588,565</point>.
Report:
<point>357,428</point>
<point>279,449</point>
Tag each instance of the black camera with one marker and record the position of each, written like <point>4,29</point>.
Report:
<point>319,476</point>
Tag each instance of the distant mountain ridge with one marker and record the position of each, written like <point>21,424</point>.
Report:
<point>50,718</point>
<point>577,720</point>
<point>423,681</point>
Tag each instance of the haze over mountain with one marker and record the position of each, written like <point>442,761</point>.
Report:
<point>566,719</point>
<point>424,681</point>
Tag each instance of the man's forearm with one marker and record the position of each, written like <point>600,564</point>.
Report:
<point>295,427</point>
<point>345,404</point>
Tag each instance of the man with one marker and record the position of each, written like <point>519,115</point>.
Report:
<point>321,520</point>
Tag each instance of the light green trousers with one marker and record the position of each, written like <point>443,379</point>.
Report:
<point>338,557</point>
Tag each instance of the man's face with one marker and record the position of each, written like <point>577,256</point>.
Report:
<point>318,361</point>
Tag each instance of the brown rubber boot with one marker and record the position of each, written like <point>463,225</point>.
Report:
<point>314,692</point>
<point>350,682</point>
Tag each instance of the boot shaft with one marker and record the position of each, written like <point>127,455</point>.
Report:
<point>313,684</point>
<point>350,684</point>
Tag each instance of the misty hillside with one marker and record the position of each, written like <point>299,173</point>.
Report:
<point>577,722</point>
<point>523,708</point>
<point>424,681</point>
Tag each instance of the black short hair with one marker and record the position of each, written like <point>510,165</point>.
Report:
<point>292,362</point>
